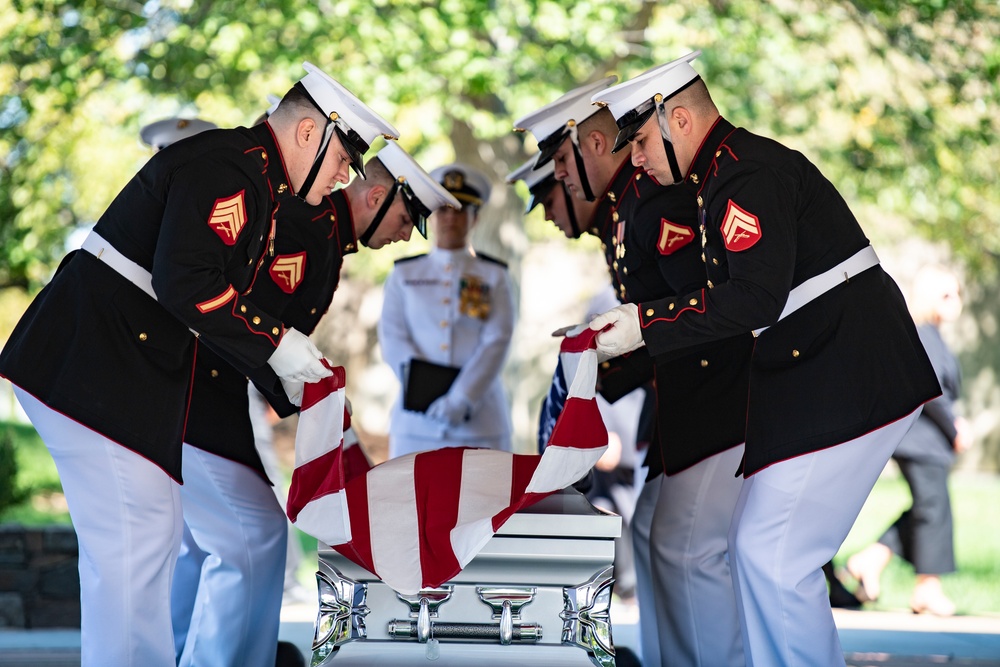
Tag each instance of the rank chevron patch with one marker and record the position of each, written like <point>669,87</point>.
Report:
<point>740,229</point>
<point>673,237</point>
<point>228,217</point>
<point>287,271</point>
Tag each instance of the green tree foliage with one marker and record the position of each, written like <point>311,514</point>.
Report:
<point>896,100</point>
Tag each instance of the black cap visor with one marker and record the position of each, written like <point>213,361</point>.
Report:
<point>631,122</point>
<point>355,146</point>
<point>539,192</point>
<point>548,146</point>
<point>415,209</point>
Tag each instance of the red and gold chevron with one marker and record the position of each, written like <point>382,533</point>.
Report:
<point>287,271</point>
<point>740,229</point>
<point>228,217</point>
<point>673,237</point>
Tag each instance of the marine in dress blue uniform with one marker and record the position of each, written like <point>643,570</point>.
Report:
<point>788,261</point>
<point>230,612</point>
<point>682,521</point>
<point>168,270</point>
<point>453,307</point>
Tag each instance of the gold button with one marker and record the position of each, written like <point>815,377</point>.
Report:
<point>263,155</point>
<point>703,257</point>
<point>715,261</point>
<point>638,176</point>
<point>333,218</point>
<point>312,311</point>
<point>670,306</point>
<point>795,353</point>
<point>693,302</point>
<point>611,196</point>
<point>350,246</point>
<point>214,373</point>
<point>704,363</point>
<point>444,323</point>
<point>446,283</point>
<point>250,261</point>
<point>614,265</point>
<point>711,285</point>
<point>595,231</point>
<point>255,320</point>
<point>275,331</point>
<point>143,336</point>
<point>446,301</point>
<point>444,346</point>
<point>605,365</point>
<point>625,270</point>
<point>718,153</point>
<point>694,178</point>
<point>243,309</point>
<point>701,202</point>
<point>649,312</point>
<point>614,216</point>
<point>447,267</point>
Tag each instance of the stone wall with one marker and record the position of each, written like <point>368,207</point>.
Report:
<point>39,580</point>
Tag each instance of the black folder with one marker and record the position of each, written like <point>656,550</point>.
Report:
<point>424,382</point>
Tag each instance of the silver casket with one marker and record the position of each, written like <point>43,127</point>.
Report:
<point>539,593</point>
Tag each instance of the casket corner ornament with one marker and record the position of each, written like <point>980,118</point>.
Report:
<point>586,617</point>
<point>341,615</point>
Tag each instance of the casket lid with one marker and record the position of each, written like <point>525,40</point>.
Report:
<point>565,513</point>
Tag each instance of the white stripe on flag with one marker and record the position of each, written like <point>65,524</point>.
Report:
<point>584,376</point>
<point>321,432</point>
<point>327,519</point>
<point>562,466</point>
<point>395,533</point>
<point>485,492</point>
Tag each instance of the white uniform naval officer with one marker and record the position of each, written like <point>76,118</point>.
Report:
<point>452,307</point>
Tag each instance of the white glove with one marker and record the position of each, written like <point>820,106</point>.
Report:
<point>298,359</point>
<point>624,334</point>
<point>449,410</point>
<point>293,390</point>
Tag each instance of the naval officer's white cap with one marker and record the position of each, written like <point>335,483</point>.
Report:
<point>467,184</point>
<point>164,132</point>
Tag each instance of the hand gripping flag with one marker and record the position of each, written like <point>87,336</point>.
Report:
<point>417,520</point>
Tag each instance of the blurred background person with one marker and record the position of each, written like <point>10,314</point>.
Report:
<point>445,330</point>
<point>923,534</point>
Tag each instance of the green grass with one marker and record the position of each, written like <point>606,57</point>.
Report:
<point>36,472</point>
<point>975,586</point>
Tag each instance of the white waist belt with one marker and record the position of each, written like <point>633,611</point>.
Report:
<point>860,261</point>
<point>104,251</point>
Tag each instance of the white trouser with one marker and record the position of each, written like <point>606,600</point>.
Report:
<point>790,520</point>
<point>642,520</point>
<point>187,574</point>
<point>401,445</point>
<point>693,588</point>
<point>236,521</point>
<point>127,515</point>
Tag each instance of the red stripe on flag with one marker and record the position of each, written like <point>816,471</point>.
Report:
<point>581,342</point>
<point>355,462</point>
<point>437,481</point>
<point>359,549</point>
<point>314,479</point>
<point>314,392</point>
<point>579,425</point>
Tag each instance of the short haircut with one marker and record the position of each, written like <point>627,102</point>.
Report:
<point>294,106</point>
<point>376,174</point>
<point>602,121</point>
<point>696,99</point>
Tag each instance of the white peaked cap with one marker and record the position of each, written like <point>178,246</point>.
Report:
<point>531,176</point>
<point>401,165</point>
<point>164,132</point>
<point>666,79</point>
<point>334,98</point>
<point>573,106</point>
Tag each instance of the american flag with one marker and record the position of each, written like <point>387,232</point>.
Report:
<point>417,520</point>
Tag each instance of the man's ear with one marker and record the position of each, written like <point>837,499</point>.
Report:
<point>304,131</point>
<point>375,196</point>
<point>682,119</point>
<point>598,142</point>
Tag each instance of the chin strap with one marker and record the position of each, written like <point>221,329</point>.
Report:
<point>581,169</point>
<point>571,213</point>
<point>382,210</point>
<point>668,146</point>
